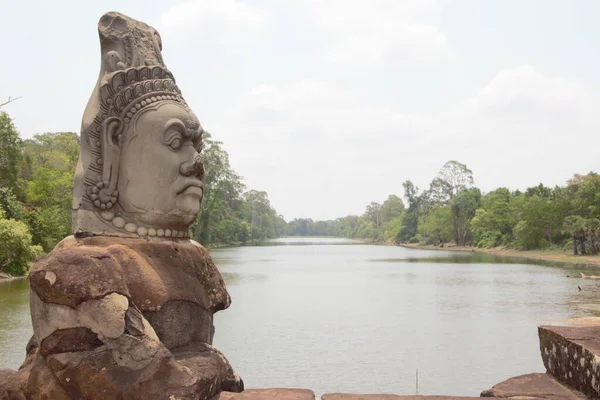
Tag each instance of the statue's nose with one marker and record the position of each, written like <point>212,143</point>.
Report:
<point>193,168</point>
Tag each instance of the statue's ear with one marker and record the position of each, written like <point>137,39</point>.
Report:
<point>111,156</point>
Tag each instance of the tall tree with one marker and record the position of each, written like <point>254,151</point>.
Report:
<point>575,226</point>
<point>391,208</point>
<point>411,217</point>
<point>16,248</point>
<point>48,169</point>
<point>452,179</point>
<point>11,155</point>
<point>222,186</point>
<point>494,222</point>
<point>453,186</point>
<point>592,227</point>
<point>437,227</point>
<point>463,206</point>
<point>584,191</point>
<point>374,214</point>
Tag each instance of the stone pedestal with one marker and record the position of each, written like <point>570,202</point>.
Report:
<point>532,386</point>
<point>268,394</point>
<point>571,355</point>
<point>118,318</point>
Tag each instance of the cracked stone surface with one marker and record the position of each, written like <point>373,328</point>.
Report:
<point>269,394</point>
<point>118,318</point>
<point>571,354</point>
<point>532,386</point>
<point>124,310</point>
<point>347,396</point>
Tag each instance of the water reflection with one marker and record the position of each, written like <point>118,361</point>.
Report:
<point>15,322</point>
<point>364,318</point>
<point>232,278</point>
<point>453,257</point>
<point>333,316</point>
<point>311,241</point>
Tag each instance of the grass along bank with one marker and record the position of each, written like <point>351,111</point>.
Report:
<point>545,255</point>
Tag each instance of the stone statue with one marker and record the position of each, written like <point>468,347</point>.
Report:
<point>123,309</point>
<point>139,173</point>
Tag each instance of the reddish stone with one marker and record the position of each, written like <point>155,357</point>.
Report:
<point>570,355</point>
<point>268,394</point>
<point>71,276</point>
<point>7,376</point>
<point>349,396</point>
<point>69,340</point>
<point>179,323</point>
<point>150,273</point>
<point>176,286</point>
<point>95,375</point>
<point>537,386</point>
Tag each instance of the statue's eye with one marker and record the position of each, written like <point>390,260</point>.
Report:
<point>175,143</point>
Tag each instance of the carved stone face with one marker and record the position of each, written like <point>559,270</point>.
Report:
<point>160,171</point>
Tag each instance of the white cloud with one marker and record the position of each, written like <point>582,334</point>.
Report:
<point>315,148</point>
<point>523,88</point>
<point>214,21</point>
<point>376,31</point>
<point>321,152</point>
<point>526,127</point>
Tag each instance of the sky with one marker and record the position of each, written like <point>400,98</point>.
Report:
<point>328,105</point>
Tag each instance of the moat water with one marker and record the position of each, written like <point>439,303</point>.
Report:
<point>337,315</point>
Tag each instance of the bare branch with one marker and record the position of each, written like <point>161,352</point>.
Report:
<point>10,100</point>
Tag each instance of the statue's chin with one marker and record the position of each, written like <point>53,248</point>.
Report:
<point>189,204</point>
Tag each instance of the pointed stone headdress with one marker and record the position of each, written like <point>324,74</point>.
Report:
<point>132,76</point>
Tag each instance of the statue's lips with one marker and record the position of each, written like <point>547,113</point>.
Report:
<point>192,187</point>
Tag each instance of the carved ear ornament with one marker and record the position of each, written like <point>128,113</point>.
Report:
<point>101,197</point>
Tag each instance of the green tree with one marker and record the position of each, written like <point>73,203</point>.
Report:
<point>47,226</point>
<point>438,226</point>
<point>11,156</point>
<point>539,191</point>
<point>263,218</point>
<point>16,249</point>
<point>48,169</point>
<point>575,226</point>
<point>494,222</point>
<point>10,205</point>
<point>391,208</point>
<point>453,178</point>
<point>411,217</point>
<point>584,191</point>
<point>392,228</point>
<point>374,214</point>
<point>541,222</point>
<point>463,206</point>
<point>222,190</point>
<point>453,186</point>
<point>592,227</point>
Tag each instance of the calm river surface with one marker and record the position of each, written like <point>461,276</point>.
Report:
<point>335,315</point>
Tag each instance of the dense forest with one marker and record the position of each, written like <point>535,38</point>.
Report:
<point>36,182</point>
<point>454,210</point>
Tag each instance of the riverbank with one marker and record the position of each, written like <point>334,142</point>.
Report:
<point>6,277</point>
<point>543,255</point>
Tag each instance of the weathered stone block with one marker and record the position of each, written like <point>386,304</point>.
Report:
<point>70,340</point>
<point>349,396</point>
<point>532,386</point>
<point>572,356</point>
<point>179,323</point>
<point>131,263</point>
<point>268,394</point>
